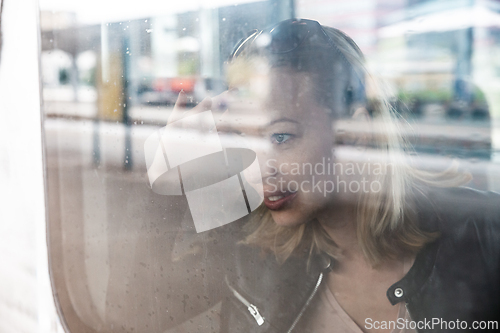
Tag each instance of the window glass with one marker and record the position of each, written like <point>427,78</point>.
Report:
<point>202,155</point>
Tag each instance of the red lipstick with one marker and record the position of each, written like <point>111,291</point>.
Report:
<point>277,200</point>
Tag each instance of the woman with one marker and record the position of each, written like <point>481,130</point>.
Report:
<point>350,237</point>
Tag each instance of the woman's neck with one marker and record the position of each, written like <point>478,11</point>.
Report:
<point>339,221</point>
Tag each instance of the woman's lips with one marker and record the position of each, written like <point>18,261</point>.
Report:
<point>276,201</point>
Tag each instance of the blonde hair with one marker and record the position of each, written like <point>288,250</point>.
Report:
<point>386,223</point>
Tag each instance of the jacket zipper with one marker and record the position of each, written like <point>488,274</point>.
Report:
<point>407,310</point>
<point>254,311</point>
<point>315,290</point>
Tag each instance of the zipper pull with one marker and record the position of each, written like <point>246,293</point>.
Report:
<point>255,313</point>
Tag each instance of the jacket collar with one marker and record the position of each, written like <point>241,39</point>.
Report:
<point>411,283</point>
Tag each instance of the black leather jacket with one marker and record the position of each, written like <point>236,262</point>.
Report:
<point>455,278</point>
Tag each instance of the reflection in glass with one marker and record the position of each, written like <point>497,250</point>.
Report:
<point>111,78</point>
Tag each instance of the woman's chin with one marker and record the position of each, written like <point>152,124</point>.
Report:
<point>287,219</point>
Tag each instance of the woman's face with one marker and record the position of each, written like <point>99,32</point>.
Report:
<point>295,141</point>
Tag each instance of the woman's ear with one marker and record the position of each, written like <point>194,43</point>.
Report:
<point>364,126</point>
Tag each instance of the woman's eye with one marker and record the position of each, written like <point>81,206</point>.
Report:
<point>280,138</point>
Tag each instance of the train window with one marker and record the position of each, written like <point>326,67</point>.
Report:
<point>276,165</point>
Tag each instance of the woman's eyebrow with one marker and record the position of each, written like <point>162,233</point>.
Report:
<point>280,120</point>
